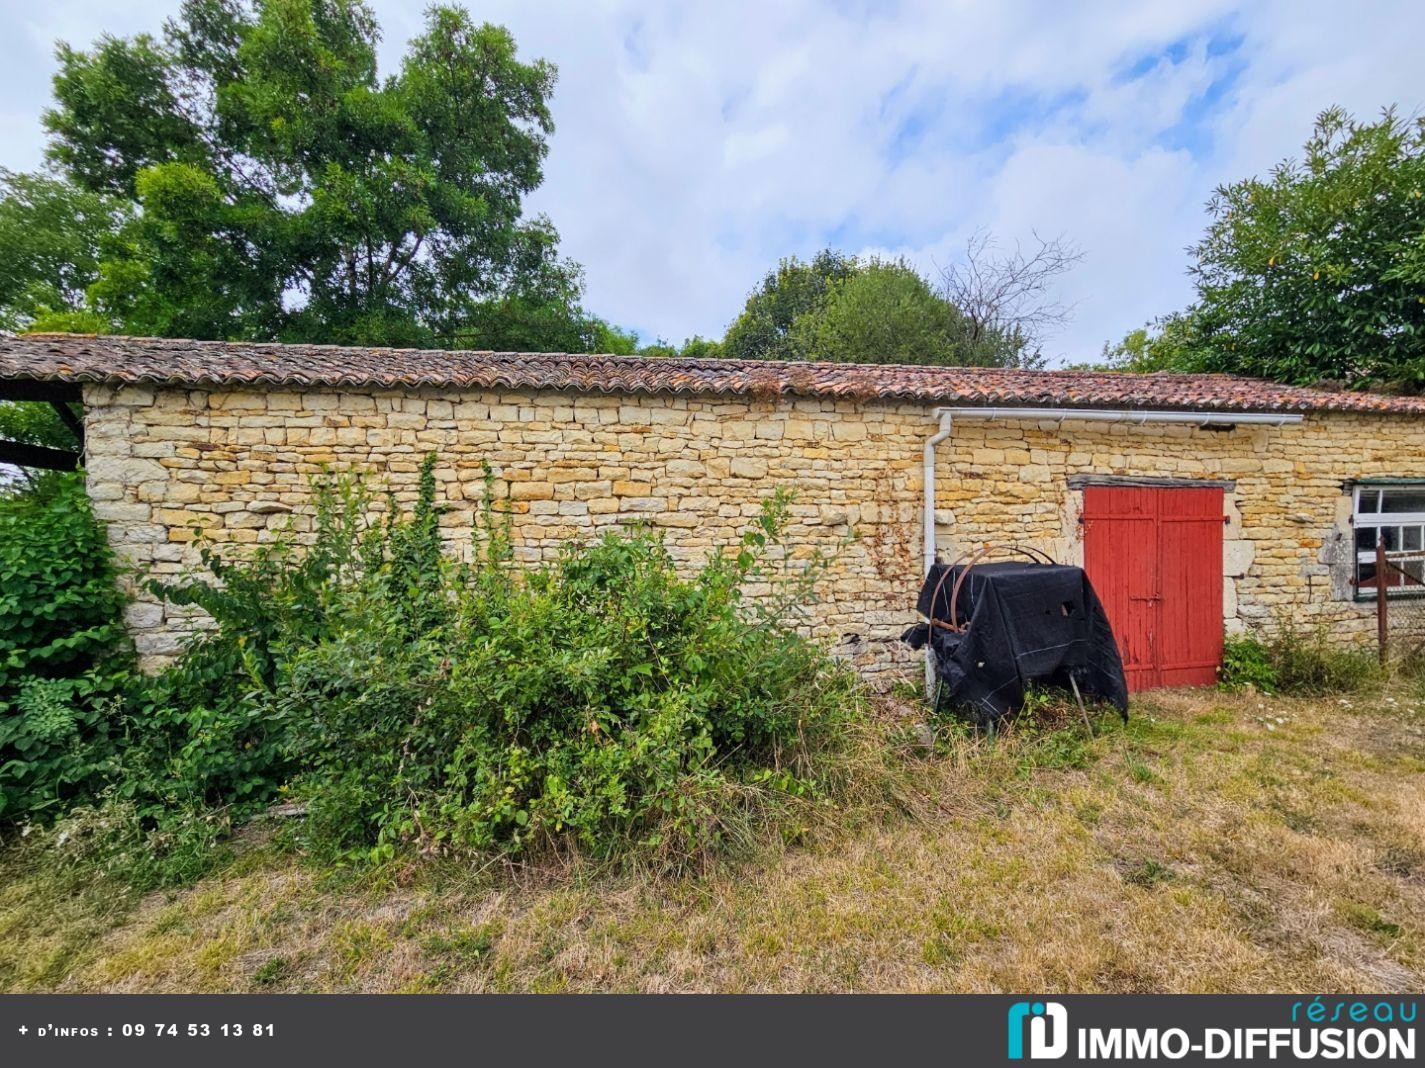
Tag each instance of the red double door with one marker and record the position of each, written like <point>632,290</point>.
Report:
<point>1154,554</point>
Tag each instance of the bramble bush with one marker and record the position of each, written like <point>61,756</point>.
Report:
<point>63,654</point>
<point>410,699</point>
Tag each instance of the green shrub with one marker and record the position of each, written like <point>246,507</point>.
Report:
<point>1291,659</point>
<point>63,655</point>
<point>205,730</point>
<point>1247,664</point>
<point>412,699</point>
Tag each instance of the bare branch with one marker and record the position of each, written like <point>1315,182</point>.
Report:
<point>1011,295</point>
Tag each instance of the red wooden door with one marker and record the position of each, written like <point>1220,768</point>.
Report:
<point>1154,554</point>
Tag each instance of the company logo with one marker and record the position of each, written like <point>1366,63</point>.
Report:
<point>1048,1026</point>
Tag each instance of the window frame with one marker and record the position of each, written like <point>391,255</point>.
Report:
<point>1377,520</point>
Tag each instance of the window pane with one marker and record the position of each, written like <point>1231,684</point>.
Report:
<point>1370,500</point>
<point>1410,539</point>
<point>1366,538</point>
<point>1366,577</point>
<point>1403,500</point>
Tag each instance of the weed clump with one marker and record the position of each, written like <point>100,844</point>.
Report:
<point>1291,659</point>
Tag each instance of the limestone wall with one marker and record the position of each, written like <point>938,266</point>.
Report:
<point>1288,543</point>
<point>236,465</point>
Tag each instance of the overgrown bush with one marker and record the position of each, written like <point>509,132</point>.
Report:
<point>63,655</point>
<point>1307,662</point>
<point>1291,659</point>
<point>1247,665</point>
<point>209,733</point>
<point>411,699</point>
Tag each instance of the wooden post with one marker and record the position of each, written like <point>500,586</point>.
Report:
<point>1382,619</point>
<point>22,454</point>
<point>1080,699</point>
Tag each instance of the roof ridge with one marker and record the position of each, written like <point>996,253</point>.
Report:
<point>118,359</point>
<point>711,361</point>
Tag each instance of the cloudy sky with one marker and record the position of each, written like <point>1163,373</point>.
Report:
<point>696,143</point>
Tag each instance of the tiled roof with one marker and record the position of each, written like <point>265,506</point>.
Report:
<point>77,358</point>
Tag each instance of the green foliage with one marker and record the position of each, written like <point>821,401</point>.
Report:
<point>1290,659</point>
<point>764,329</point>
<point>208,736</point>
<point>1247,665</point>
<point>887,313</point>
<point>1169,344</point>
<point>1315,273</point>
<point>181,269</point>
<point>541,315</point>
<point>701,348</point>
<point>613,339</point>
<point>35,424</point>
<point>1306,662</point>
<point>71,321</point>
<point>408,697</point>
<point>1060,750</point>
<point>693,348</point>
<point>51,231</point>
<point>272,972</point>
<point>845,310</point>
<point>284,190</point>
<point>62,649</point>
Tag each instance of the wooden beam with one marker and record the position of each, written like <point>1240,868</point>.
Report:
<point>29,389</point>
<point>22,455</point>
<point>69,419</point>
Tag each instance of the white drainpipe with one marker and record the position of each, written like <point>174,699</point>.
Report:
<point>947,424</point>
<point>947,418</point>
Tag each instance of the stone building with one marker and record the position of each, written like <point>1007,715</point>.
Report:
<point>1195,502</point>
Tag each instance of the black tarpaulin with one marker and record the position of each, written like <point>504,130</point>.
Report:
<point>1027,622</point>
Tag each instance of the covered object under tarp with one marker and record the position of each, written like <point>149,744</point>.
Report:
<point>1015,623</point>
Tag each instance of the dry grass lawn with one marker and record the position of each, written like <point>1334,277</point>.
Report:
<point>1219,842</point>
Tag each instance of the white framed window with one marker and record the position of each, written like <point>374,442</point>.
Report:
<point>1393,514</point>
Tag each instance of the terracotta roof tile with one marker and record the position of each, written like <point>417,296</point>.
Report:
<point>78,358</point>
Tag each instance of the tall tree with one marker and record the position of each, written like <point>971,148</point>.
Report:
<point>52,234</point>
<point>764,329</point>
<point>844,309</point>
<point>286,190</point>
<point>1316,272</point>
<point>886,312</point>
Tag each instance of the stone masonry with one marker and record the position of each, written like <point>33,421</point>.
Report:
<point>165,464</point>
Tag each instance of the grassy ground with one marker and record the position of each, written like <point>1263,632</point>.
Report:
<point>1217,843</point>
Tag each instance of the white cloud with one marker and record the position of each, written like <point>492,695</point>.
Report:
<point>698,143</point>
